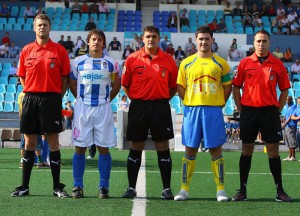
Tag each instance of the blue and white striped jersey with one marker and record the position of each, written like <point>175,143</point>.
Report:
<point>93,77</point>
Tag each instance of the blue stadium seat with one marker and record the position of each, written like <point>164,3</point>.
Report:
<point>81,27</point>
<point>115,100</point>
<point>129,13</point>
<point>6,66</point>
<point>128,28</point>
<point>248,30</point>
<point>29,21</point>
<point>111,16</point>
<point>173,29</point>
<point>237,18</point>
<point>68,16</point>
<point>210,13</point>
<point>265,19</point>
<point>102,17</point>
<point>67,10</point>
<point>120,28</point>
<point>121,12</point>
<point>219,13</point>
<point>228,110</point>
<point>63,27</point>
<point>185,29</point>
<point>28,27</point>
<point>76,16</point>
<point>156,13</point>
<point>297,93</point>
<point>8,107</point>
<point>3,80</point>
<point>8,27</point>
<point>175,100</point>
<point>2,88</point>
<point>71,98</point>
<point>19,88</point>
<point>95,16</point>
<point>5,72</point>
<point>11,88</point>
<point>16,108</point>
<point>109,28</point>
<point>9,97</point>
<point>228,19</point>
<point>239,30</point>
<point>73,27</point>
<point>164,14</point>
<point>3,20</point>
<point>177,108</point>
<point>238,24</point>
<point>17,26</point>
<point>14,11</point>
<point>193,29</point>
<point>201,13</point>
<point>1,97</point>
<point>114,107</point>
<point>85,16</point>
<point>11,20</point>
<point>256,29</point>
<point>13,80</point>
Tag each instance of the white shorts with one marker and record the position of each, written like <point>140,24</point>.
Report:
<point>93,125</point>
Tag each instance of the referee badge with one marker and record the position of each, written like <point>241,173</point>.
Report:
<point>105,65</point>
<point>163,73</point>
<point>52,64</point>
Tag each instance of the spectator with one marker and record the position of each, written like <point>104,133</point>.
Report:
<point>235,132</point>
<point>234,43</point>
<point>13,70</point>
<point>67,3</point>
<point>69,45</point>
<point>165,43</point>
<point>28,12</point>
<point>246,10</point>
<point>287,55</point>
<point>279,31</point>
<point>14,50</point>
<point>255,10</point>
<point>283,22</point>
<point>179,54</point>
<point>172,20</point>
<point>84,8</point>
<point>76,8</point>
<point>70,54</point>
<point>69,119</point>
<point>237,11</point>
<point>114,45</point>
<point>292,16</point>
<point>213,26</point>
<point>184,17</point>
<point>81,51</point>
<point>263,10</point>
<point>40,10</point>
<point>188,47</point>
<point>90,25</point>
<point>136,43</point>
<point>170,50</point>
<point>289,9</point>
<point>277,53</point>
<point>222,27</point>
<point>6,38</point>
<point>5,11</point>
<point>250,51</point>
<point>4,50</point>
<point>228,10</point>
<point>123,104</point>
<point>214,46</point>
<point>280,11</point>
<point>79,42</point>
<point>234,54</point>
<point>62,40</point>
<point>295,69</point>
<point>127,52</point>
<point>272,11</point>
<point>294,26</point>
<point>193,50</point>
<point>94,8</point>
<point>247,21</point>
<point>257,22</point>
<point>103,8</point>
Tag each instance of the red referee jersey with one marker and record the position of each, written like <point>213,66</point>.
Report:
<point>43,67</point>
<point>149,79</point>
<point>259,81</point>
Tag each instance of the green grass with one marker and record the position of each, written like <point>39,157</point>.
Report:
<point>261,190</point>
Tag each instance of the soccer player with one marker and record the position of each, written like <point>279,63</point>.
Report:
<point>228,129</point>
<point>44,69</point>
<point>258,75</point>
<point>91,83</point>
<point>204,85</point>
<point>149,80</point>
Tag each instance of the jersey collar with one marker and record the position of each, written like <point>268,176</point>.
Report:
<point>159,53</point>
<point>255,58</point>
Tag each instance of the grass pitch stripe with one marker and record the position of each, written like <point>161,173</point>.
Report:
<point>139,203</point>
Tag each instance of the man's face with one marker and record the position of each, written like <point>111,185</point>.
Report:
<point>42,28</point>
<point>151,40</point>
<point>204,41</point>
<point>289,100</point>
<point>261,44</point>
<point>297,62</point>
<point>95,43</point>
<point>298,102</point>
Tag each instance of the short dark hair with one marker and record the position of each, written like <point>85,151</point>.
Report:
<point>42,17</point>
<point>98,32</point>
<point>151,28</point>
<point>204,29</point>
<point>263,32</point>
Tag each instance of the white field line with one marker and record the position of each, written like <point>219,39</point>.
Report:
<point>139,203</point>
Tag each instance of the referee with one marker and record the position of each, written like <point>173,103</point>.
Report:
<point>149,80</point>
<point>44,69</point>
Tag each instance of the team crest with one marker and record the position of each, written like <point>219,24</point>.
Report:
<point>52,64</point>
<point>163,73</point>
<point>105,65</point>
<point>76,132</point>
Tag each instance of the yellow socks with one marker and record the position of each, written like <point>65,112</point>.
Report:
<point>188,167</point>
<point>217,166</point>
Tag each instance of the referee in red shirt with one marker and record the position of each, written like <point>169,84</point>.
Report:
<point>44,69</point>
<point>149,80</point>
<point>258,75</point>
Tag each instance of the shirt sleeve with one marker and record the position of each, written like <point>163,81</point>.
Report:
<point>126,73</point>
<point>66,68</point>
<point>239,75</point>
<point>174,74</point>
<point>181,79</point>
<point>21,67</point>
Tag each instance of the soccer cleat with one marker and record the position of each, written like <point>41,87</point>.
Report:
<point>292,159</point>
<point>240,196</point>
<point>42,165</point>
<point>283,197</point>
<point>20,191</point>
<point>60,192</point>
<point>221,196</point>
<point>181,196</point>
<point>167,194</point>
<point>130,193</point>
<point>103,193</point>
<point>21,165</point>
<point>77,192</point>
<point>286,159</point>
<point>90,157</point>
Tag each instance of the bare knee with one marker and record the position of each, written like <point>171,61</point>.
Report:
<point>247,149</point>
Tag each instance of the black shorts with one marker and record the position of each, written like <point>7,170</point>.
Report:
<point>41,113</point>
<point>155,115</point>
<point>263,119</point>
